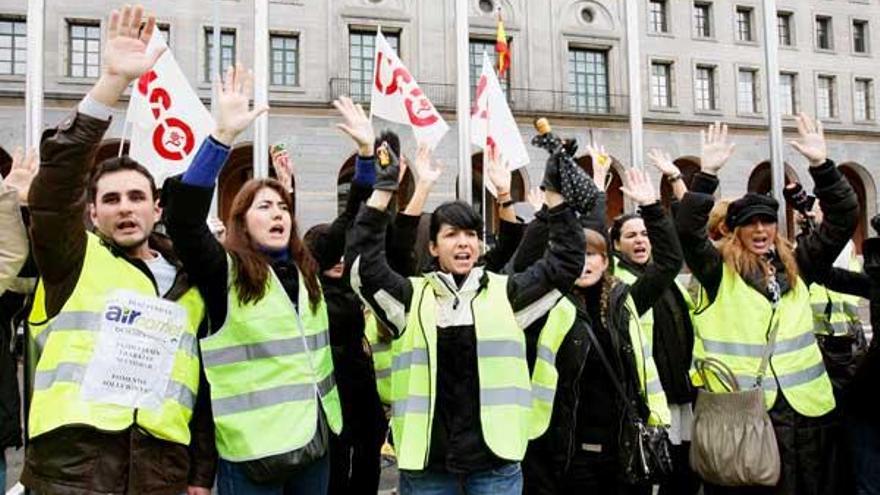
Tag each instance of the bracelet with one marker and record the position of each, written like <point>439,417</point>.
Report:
<point>507,204</point>
<point>673,178</point>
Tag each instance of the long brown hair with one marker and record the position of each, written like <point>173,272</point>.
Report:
<point>748,264</point>
<point>596,243</point>
<point>251,263</point>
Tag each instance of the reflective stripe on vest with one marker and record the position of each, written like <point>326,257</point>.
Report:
<point>544,375</point>
<point>649,377</point>
<point>65,346</point>
<point>734,329</point>
<point>382,358</point>
<point>505,392</point>
<point>834,313</point>
<point>269,367</point>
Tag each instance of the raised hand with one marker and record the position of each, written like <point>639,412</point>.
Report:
<point>638,188</point>
<point>357,125</point>
<point>283,166</point>
<point>715,149</point>
<point>811,140</point>
<point>663,162</point>
<point>388,169</point>
<point>125,52</point>
<point>233,101</point>
<point>22,173</point>
<point>426,171</point>
<point>498,173</point>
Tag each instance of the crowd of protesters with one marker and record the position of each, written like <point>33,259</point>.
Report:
<point>568,358</point>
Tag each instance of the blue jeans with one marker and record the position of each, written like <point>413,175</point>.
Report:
<point>312,480</point>
<point>3,470</point>
<point>506,480</point>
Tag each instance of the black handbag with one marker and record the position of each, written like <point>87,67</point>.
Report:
<point>644,451</point>
<point>278,468</point>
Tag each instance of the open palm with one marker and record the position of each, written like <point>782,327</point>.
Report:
<point>639,188</point>
<point>22,172</point>
<point>811,140</point>
<point>233,101</point>
<point>426,171</point>
<point>716,149</point>
<point>125,53</point>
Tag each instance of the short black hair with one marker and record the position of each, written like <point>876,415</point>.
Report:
<point>458,214</point>
<point>118,164</point>
<point>618,224</point>
<point>390,137</point>
<point>313,234</point>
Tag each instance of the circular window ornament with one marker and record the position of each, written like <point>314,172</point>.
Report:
<point>487,6</point>
<point>587,15</point>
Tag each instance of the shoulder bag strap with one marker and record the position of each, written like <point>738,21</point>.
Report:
<point>768,349</point>
<point>611,372</point>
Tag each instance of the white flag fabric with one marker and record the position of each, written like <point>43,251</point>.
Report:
<point>396,97</point>
<point>168,120</point>
<point>492,123</point>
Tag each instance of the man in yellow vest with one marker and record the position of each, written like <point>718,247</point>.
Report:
<point>460,390</point>
<point>114,321</point>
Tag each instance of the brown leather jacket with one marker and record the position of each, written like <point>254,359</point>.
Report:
<point>81,460</point>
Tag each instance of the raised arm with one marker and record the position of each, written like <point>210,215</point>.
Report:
<point>663,162</point>
<point>386,292</point>
<point>666,252</point>
<point>700,253</point>
<point>57,197</point>
<point>13,195</point>
<point>817,251</point>
<point>189,199</point>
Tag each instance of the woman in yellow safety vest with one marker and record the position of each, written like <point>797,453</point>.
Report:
<point>576,406</point>
<point>267,358</point>
<point>754,280</point>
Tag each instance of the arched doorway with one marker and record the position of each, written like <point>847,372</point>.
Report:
<point>239,169</point>
<point>761,182</point>
<point>855,174</point>
<point>5,162</point>
<point>613,194</point>
<point>481,194</point>
<point>688,166</point>
<point>346,173</point>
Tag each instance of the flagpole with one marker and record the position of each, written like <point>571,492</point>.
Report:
<point>633,41</point>
<point>771,55</point>
<point>34,78</point>
<point>463,103</point>
<point>215,76</point>
<point>261,87</point>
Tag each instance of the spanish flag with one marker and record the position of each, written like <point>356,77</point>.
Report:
<point>502,50</point>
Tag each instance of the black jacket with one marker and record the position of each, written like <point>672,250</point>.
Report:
<point>457,444</point>
<point>549,456</point>
<point>814,253</point>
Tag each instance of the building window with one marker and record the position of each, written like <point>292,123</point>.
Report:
<point>661,84</point>
<point>823,33</point>
<point>284,55</point>
<point>13,47</point>
<point>703,19</point>
<point>864,108</point>
<point>705,88</point>
<point>744,24</point>
<point>361,51</point>
<point>475,57</point>
<point>747,101</point>
<point>227,50</point>
<point>783,27</point>
<point>788,93</point>
<point>826,96</point>
<point>860,36</point>
<point>588,80</point>
<point>657,16</point>
<point>84,49</point>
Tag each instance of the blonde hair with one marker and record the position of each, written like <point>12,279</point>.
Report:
<point>715,227</point>
<point>747,263</point>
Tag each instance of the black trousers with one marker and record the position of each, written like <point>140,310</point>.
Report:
<point>683,480</point>
<point>811,453</point>
<point>589,473</point>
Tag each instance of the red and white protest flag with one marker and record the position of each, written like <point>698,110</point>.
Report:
<point>168,120</point>
<point>492,123</point>
<point>397,97</point>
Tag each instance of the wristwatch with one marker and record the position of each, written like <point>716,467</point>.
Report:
<point>507,204</point>
<point>673,178</point>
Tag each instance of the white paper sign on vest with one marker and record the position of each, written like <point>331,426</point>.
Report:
<point>492,123</point>
<point>397,97</point>
<point>168,120</point>
<point>134,355</point>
